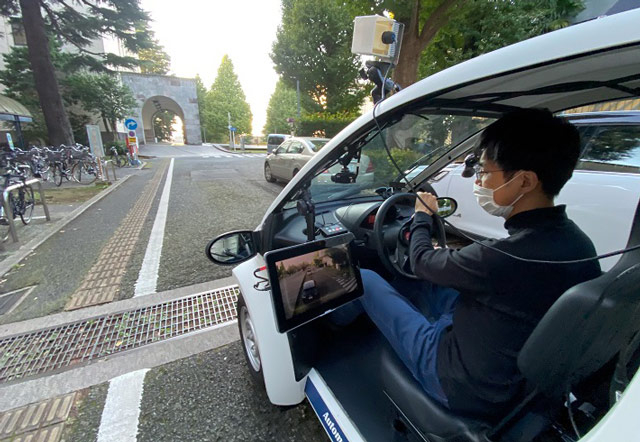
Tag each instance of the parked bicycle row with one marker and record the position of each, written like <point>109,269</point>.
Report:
<point>70,163</point>
<point>20,198</point>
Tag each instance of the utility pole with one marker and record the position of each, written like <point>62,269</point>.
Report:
<point>298,97</point>
<point>232,144</point>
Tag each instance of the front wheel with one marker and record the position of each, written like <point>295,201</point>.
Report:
<point>121,161</point>
<point>58,175</point>
<point>249,341</point>
<point>4,225</point>
<point>267,173</point>
<point>28,202</point>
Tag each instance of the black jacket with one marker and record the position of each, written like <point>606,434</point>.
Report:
<point>501,300</point>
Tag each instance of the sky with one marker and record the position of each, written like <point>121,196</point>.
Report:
<point>198,33</point>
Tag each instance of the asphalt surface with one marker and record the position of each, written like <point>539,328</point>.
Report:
<point>211,396</point>
<point>209,196</point>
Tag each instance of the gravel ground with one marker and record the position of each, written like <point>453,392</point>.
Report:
<point>211,397</point>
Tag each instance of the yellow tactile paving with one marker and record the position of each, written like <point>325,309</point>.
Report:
<point>102,283</point>
<point>42,421</point>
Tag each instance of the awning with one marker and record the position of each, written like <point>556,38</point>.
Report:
<point>10,109</point>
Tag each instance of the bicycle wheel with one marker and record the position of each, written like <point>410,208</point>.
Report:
<point>27,204</point>
<point>90,169</point>
<point>58,175</point>
<point>4,225</point>
<point>77,171</point>
<point>121,161</point>
<point>45,172</point>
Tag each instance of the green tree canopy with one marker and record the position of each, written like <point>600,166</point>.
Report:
<point>226,97</point>
<point>201,94</point>
<point>78,24</point>
<point>154,59</point>
<point>282,106</point>
<point>483,26</point>
<point>163,125</point>
<point>313,45</point>
<point>102,94</point>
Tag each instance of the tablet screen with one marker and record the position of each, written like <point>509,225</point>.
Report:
<point>311,279</point>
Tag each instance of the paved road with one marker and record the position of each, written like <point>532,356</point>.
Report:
<point>206,397</point>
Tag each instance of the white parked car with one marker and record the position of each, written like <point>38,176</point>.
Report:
<point>356,394</point>
<point>288,158</point>
<point>603,191</point>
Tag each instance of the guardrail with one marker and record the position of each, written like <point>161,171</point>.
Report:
<point>7,206</point>
<point>105,164</point>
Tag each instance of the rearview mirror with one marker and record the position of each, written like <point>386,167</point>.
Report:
<point>447,206</point>
<point>231,248</point>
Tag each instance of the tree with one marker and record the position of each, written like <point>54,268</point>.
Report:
<point>163,125</point>
<point>154,59</point>
<point>313,45</point>
<point>483,26</point>
<point>226,97</point>
<point>102,94</point>
<point>282,106</point>
<point>201,94</point>
<point>77,25</point>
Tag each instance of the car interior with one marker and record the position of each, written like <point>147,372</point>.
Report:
<point>581,355</point>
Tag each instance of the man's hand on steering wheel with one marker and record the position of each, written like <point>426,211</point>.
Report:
<point>430,200</point>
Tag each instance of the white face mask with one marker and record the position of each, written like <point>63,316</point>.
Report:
<point>486,201</point>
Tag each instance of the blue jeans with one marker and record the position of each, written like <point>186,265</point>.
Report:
<point>413,322</point>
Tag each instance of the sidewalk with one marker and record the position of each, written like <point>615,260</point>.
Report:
<point>39,230</point>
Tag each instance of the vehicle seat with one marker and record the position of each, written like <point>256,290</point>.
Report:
<point>583,330</point>
<point>425,415</point>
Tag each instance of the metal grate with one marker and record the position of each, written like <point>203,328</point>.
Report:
<point>55,348</point>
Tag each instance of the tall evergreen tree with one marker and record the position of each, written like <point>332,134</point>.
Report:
<point>282,106</point>
<point>154,60</point>
<point>78,25</point>
<point>226,97</point>
<point>201,94</point>
<point>313,45</point>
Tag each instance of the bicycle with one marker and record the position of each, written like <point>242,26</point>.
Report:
<point>21,205</point>
<point>85,165</point>
<point>118,160</point>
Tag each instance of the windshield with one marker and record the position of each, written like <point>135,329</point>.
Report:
<point>317,144</point>
<point>415,141</point>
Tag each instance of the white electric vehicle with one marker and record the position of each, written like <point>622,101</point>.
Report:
<point>580,361</point>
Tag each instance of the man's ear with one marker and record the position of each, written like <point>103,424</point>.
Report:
<point>530,181</point>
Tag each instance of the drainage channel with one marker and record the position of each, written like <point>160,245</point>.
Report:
<point>83,341</point>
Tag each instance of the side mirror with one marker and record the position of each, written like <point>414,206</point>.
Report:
<point>447,206</point>
<point>231,248</point>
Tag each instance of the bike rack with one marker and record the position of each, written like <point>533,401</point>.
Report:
<point>9,212</point>
<point>106,169</point>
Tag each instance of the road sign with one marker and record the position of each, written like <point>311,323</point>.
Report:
<point>132,133</point>
<point>131,124</point>
<point>233,129</point>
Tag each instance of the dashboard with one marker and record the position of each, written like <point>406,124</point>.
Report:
<point>357,218</point>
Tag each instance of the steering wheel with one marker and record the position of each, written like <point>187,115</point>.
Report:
<point>392,238</point>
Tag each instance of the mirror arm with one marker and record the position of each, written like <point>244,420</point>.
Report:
<point>307,208</point>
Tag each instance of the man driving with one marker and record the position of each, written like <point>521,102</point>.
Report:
<point>459,333</point>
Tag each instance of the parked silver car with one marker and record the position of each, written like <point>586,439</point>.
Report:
<point>285,161</point>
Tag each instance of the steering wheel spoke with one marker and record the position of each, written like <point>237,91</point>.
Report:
<point>391,244</point>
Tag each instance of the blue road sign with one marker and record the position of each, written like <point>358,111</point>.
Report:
<point>234,129</point>
<point>131,124</point>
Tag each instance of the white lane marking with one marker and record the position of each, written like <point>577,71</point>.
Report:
<point>121,411</point>
<point>148,276</point>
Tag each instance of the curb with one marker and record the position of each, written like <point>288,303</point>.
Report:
<point>222,149</point>
<point>29,247</point>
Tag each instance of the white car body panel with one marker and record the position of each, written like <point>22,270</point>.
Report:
<point>275,354</point>
<point>526,65</point>
<point>333,418</point>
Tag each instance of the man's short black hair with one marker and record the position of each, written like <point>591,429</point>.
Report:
<point>535,140</point>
